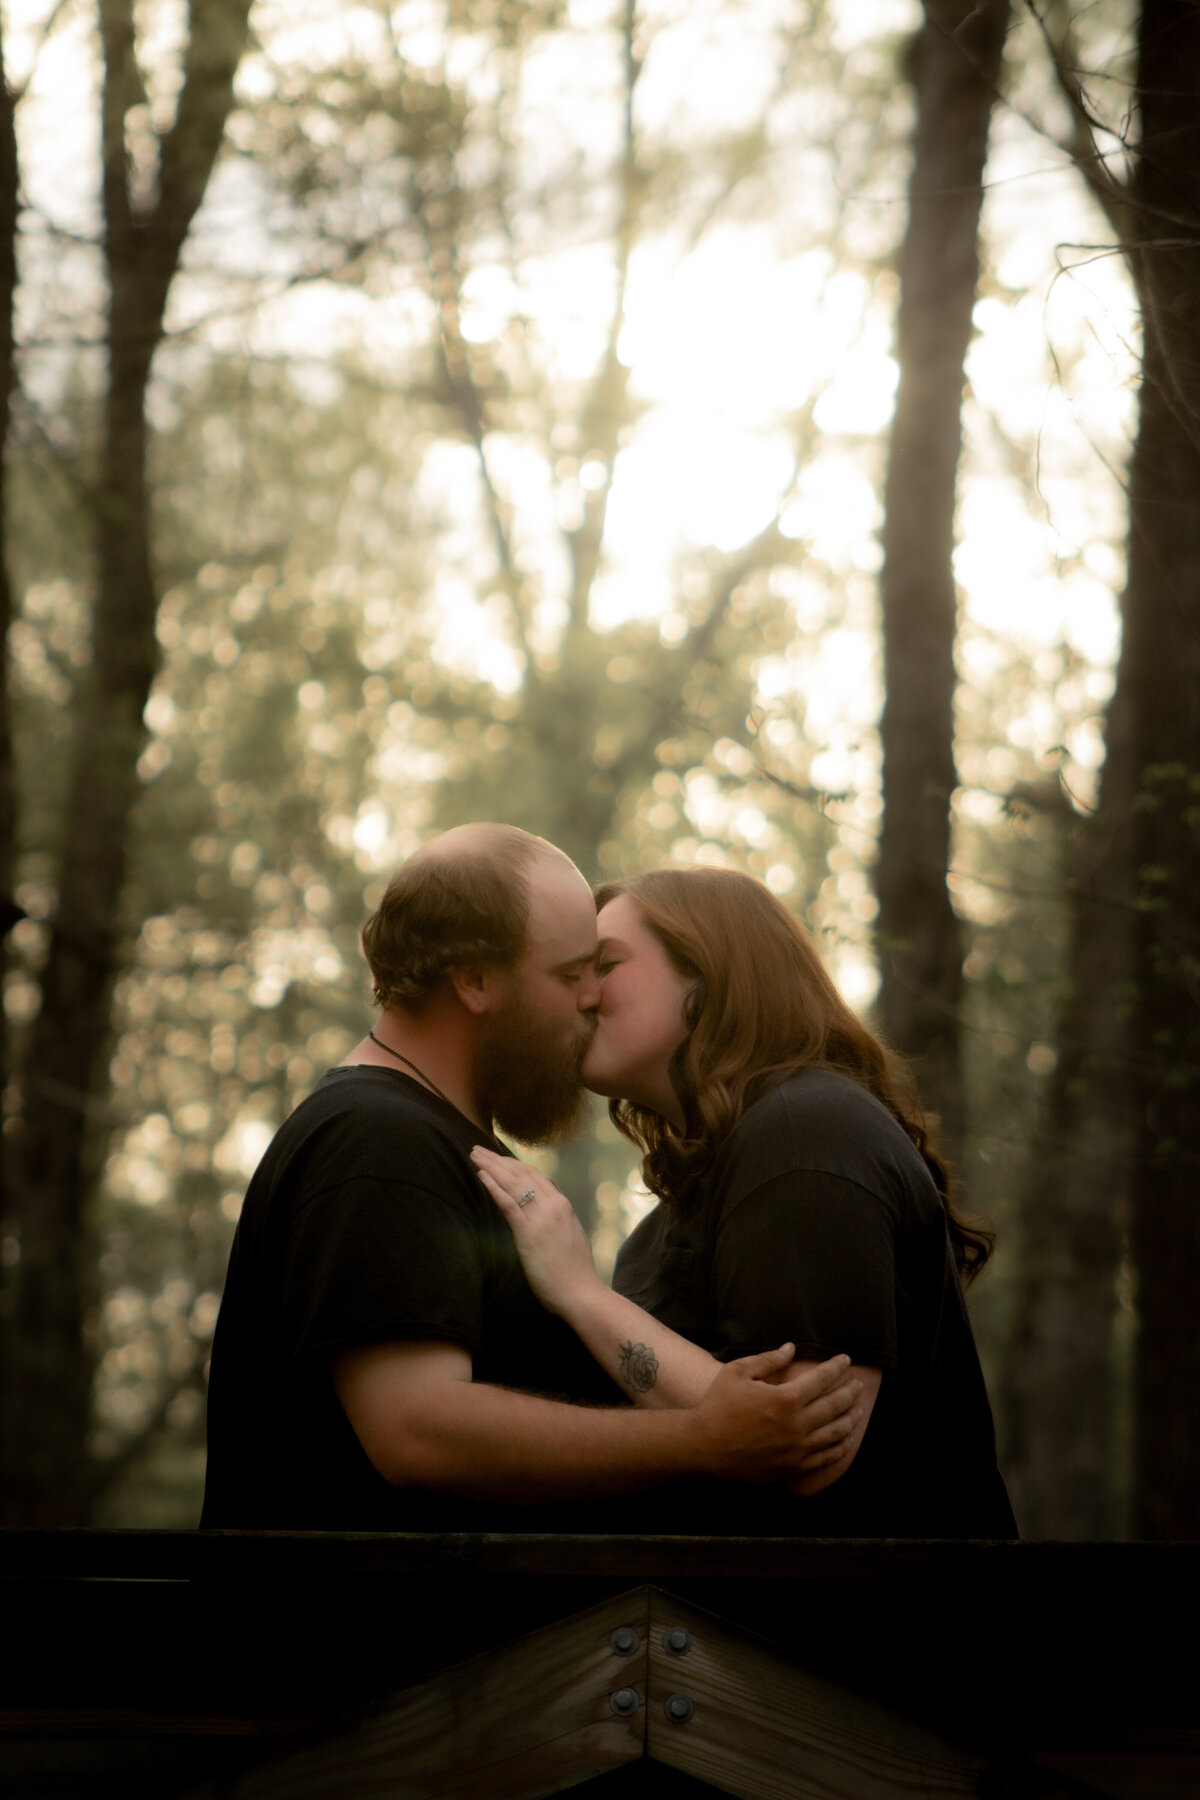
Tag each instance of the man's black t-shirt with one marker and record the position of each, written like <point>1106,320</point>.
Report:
<point>820,1224</point>
<point>365,1223</point>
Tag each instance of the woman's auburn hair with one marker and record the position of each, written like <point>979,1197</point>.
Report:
<point>763,1007</point>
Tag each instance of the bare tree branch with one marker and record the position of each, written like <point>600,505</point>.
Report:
<point>1082,144</point>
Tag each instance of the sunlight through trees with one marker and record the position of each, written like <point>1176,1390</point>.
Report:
<point>510,409</point>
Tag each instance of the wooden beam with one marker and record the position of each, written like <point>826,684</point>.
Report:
<point>1147,1775</point>
<point>528,1720</point>
<point>307,1556</point>
<point>763,1729</point>
<point>535,1717</point>
<point>323,1679</point>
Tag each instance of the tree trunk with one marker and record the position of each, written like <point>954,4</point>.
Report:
<point>9,204</point>
<point>1059,1394</point>
<point>956,60</point>
<point>1163,673</point>
<point>9,207</point>
<point>1121,1145</point>
<point>49,1480</point>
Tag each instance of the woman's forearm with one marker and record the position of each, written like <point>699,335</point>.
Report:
<point>652,1364</point>
<point>656,1367</point>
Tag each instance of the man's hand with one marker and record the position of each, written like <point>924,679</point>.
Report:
<point>766,1418</point>
<point>424,1423</point>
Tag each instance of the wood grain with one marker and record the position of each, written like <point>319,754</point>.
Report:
<point>527,1720</point>
<point>765,1729</point>
<point>1148,1775</point>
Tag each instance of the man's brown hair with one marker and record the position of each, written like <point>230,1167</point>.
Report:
<point>463,898</point>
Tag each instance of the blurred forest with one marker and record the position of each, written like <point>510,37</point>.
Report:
<point>761,432</point>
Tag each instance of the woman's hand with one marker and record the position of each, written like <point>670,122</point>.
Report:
<point>810,1416</point>
<point>551,1243</point>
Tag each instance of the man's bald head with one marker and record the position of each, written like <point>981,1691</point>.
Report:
<point>462,899</point>
<point>485,841</point>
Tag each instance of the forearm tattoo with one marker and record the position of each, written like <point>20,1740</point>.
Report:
<point>638,1367</point>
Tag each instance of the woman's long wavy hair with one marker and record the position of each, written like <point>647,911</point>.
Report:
<point>763,1006</point>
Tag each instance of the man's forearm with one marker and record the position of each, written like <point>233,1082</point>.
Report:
<point>487,1443</point>
<point>425,1424</point>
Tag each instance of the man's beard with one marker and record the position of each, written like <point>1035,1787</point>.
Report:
<point>529,1076</point>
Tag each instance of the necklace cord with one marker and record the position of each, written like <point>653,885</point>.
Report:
<point>400,1057</point>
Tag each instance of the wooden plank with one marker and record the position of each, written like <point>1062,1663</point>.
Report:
<point>1132,1776</point>
<point>764,1729</point>
<point>132,1722</point>
<point>298,1555</point>
<point>530,1719</point>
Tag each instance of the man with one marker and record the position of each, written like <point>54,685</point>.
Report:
<point>380,1362</point>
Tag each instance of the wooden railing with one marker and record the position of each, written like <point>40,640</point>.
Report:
<point>307,1666</point>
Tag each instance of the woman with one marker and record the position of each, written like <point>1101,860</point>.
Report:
<point>799,1201</point>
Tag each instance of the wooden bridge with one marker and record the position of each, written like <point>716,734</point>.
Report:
<point>228,1666</point>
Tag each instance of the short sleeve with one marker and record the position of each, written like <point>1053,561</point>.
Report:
<point>807,1258</point>
<point>372,1260</point>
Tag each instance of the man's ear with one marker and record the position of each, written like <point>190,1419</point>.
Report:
<point>474,986</point>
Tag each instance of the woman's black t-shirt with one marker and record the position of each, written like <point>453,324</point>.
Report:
<point>820,1224</point>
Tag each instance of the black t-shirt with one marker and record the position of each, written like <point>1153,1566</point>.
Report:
<point>365,1223</point>
<point>820,1224</point>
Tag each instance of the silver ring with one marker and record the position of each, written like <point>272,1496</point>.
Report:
<point>526,1197</point>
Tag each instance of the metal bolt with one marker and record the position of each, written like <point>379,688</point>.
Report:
<point>677,1640</point>
<point>624,1640</point>
<point>679,1709</point>
<point>624,1702</point>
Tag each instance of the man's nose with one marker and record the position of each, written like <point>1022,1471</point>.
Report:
<point>589,991</point>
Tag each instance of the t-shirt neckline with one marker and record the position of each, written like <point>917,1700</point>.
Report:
<point>438,1101</point>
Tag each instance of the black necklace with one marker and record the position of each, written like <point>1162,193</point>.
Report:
<point>400,1057</point>
<point>412,1065</point>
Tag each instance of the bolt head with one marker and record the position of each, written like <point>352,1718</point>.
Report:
<point>677,1640</point>
<point>624,1702</point>
<point>624,1640</point>
<point>679,1709</point>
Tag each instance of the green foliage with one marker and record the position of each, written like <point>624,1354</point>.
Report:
<point>386,582</point>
